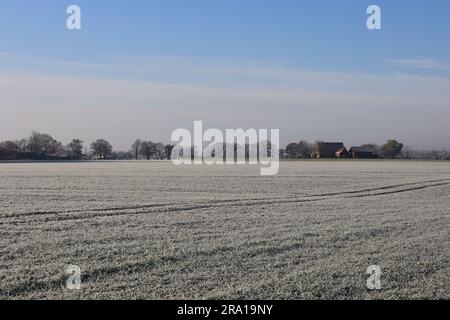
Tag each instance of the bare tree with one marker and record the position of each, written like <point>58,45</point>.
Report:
<point>147,149</point>
<point>291,150</point>
<point>101,148</point>
<point>76,149</point>
<point>391,149</point>
<point>159,151</point>
<point>22,145</point>
<point>303,149</point>
<point>43,145</point>
<point>168,151</point>
<point>9,146</point>
<point>135,149</point>
<point>408,153</point>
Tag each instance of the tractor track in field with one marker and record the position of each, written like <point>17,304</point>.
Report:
<point>81,214</point>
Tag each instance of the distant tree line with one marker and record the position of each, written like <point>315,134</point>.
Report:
<point>149,150</point>
<point>392,149</point>
<point>41,146</point>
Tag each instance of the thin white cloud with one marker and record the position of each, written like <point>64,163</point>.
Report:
<point>430,64</point>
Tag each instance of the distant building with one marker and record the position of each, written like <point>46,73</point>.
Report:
<point>327,149</point>
<point>342,153</point>
<point>362,153</point>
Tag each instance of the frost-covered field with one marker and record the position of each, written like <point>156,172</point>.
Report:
<point>153,230</point>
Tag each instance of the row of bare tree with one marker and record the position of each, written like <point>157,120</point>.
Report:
<point>42,146</point>
<point>149,150</point>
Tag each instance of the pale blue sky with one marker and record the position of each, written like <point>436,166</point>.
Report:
<point>152,66</point>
